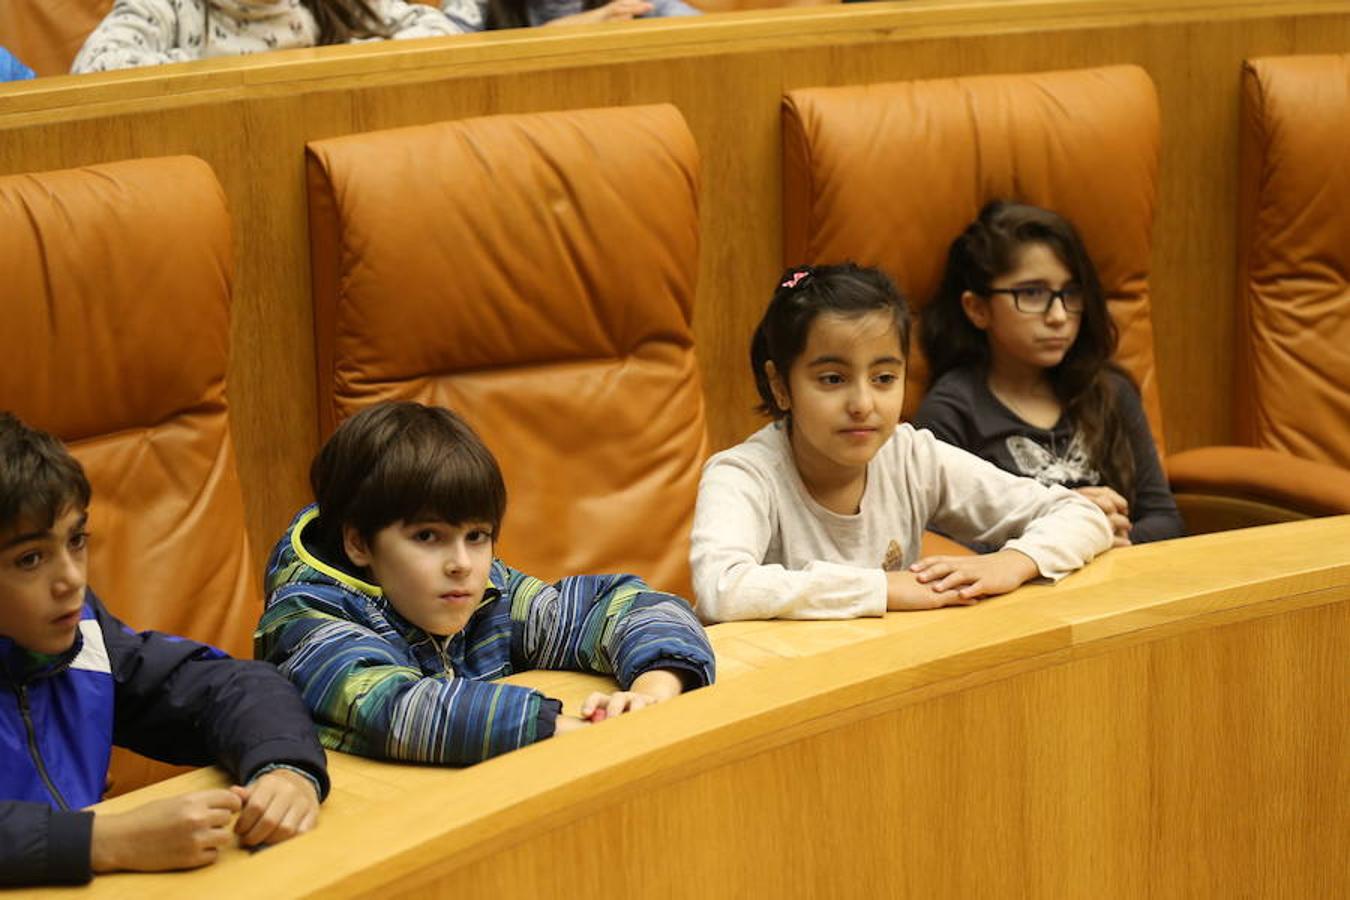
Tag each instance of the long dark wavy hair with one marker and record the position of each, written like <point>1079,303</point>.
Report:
<point>1086,380</point>
<point>515,13</point>
<point>805,292</point>
<point>339,21</point>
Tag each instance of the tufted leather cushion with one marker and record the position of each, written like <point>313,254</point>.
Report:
<point>46,34</point>
<point>889,174</point>
<point>1295,257</point>
<point>536,274</point>
<point>117,321</point>
<point>116,334</point>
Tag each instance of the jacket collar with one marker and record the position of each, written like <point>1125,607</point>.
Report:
<point>20,665</point>
<point>430,652</point>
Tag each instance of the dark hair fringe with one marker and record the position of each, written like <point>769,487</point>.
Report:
<point>847,289</point>
<point>404,462</point>
<point>1085,381</point>
<point>39,479</point>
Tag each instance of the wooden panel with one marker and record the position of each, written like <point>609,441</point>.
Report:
<point>1168,722</point>
<point>250,118</point>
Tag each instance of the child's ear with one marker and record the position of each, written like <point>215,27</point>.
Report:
<point>976,309</point>
<point>358,551</point>
<point>781,398</point>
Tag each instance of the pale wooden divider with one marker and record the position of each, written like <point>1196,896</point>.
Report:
<point>250,118</point>
<point>1168,722</point>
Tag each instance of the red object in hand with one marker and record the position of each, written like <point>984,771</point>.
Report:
<point>597,715</point>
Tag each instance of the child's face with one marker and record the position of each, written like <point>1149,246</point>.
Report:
<point>1031,340</point>
<point>844,390</point>
<point>42,581</point>
<point>433,573</point>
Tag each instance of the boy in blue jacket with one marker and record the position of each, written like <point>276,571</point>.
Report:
<point>388,609</point>
<point>74,681</point>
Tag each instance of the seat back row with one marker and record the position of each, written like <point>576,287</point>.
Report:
<point>575,359</point>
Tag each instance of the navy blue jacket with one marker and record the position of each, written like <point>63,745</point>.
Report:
<point>162,696</point>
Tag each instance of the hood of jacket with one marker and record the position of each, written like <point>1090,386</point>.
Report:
<point>296,566</point>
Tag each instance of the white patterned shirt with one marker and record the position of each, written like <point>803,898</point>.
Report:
<point>150,32</point>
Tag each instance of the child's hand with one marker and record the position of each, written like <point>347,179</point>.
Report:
<point>1117,511</point>
<point>905,592</point>
<point>564,724</point>
<point>181,832</point>
<point>972,577</point>
<point>600,706</point>
<point>277,806</point>
<point>652,686</point>
<point>614,11</point>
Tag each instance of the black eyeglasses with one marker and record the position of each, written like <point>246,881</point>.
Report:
<point>1038,298</point>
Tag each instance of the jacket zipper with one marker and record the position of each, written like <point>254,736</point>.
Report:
<point>26,712</point>
<point>441,650</point>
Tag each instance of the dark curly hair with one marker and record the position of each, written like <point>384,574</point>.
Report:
<point>39,479</point>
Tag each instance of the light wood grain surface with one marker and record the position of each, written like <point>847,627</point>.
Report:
<point>250,118</point>
<point>1169,721</point>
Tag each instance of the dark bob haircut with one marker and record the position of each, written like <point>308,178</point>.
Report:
<point>404,462</point>
<point>805,292</point>
<point>39,479</point>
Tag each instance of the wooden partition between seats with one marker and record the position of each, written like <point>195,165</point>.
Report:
<point>250,118</point>
<point>1169,722</point>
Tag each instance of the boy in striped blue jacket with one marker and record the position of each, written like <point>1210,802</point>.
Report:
<point>389,611</point>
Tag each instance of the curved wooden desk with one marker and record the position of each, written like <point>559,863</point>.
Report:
<point>1171,721</point>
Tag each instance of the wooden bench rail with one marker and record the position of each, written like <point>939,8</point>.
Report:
<point>1167,720</point>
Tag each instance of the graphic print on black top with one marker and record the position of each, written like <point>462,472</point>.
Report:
<point>1072,468</point>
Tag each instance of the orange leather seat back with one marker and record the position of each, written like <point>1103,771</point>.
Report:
<point>536,274</point>
<point>1294,248</point>
<point>117,322</point>
<point>47,34</point>
<point>889,174</point>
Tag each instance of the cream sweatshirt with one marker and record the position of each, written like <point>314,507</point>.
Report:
<point>763,548</point>
<point>150,32</point>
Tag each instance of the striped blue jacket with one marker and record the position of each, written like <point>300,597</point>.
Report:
<point>377,685</point>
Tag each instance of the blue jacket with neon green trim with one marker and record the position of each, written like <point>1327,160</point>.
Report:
<point>379,686</point>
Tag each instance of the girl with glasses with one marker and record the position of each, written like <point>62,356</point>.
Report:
<point>1019,344</point>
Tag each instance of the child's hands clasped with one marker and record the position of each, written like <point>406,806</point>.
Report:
<point>181,832</point>
<point>973,577</point>
<point>189,830</point>
<point>276,806</point>
<point>905,592</point>
<point>1117,511</point>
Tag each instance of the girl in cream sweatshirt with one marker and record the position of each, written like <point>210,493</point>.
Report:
<point>820,514</point>
<point>150,32</point>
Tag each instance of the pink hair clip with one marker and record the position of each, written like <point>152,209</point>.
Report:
<point>796,278</point>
